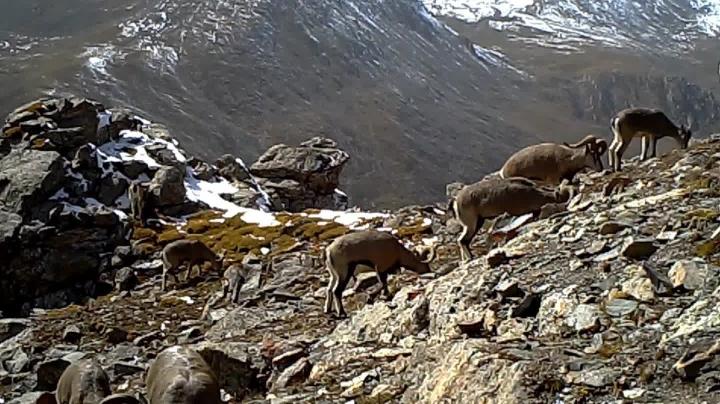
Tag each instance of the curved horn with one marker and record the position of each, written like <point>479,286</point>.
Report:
<point>589,139</point>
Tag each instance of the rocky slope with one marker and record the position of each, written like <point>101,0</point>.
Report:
<point>65,168</point>
<point>614,299</point>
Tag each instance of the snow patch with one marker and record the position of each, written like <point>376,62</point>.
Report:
<point>59,195</point>
<point>265,204</point>
<point>349,219</point>
<point>210,194</point>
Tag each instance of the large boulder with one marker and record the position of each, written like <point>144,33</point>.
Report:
<point>316,163</point>
<point>306,176</point>
<point>59,124</point>
<point>28,177</point>
<point>54,233</point>
<point>168,187</point>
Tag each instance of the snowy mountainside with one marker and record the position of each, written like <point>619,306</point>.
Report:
<point>658,25</point>
<point>431,91</point>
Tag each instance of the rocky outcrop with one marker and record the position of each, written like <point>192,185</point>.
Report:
<point>306,176</point>
<point>52,251</point>
<point>65,168</point>
<point>568,314</point>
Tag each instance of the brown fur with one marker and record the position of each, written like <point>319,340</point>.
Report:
<point>192,252</point>
<point>492,197</point>
<point>83,382</point>
<point>233,281</point>
<point>551,162</point>
<point>179,375</point>
<point>379,250</point>
<point>138,195</point>
<point>650,125</point>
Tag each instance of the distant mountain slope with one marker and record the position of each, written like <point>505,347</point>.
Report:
<point>418,101</point>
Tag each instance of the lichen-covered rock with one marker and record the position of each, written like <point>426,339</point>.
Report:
<point>316,163</point>
<point>168,187</point>
<point>229,167</point>
<point>306,176</point>
<point>29,177</point>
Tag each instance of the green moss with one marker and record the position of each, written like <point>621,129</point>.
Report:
<point>608,350</point>
<point>12,132</point>
<point>707,248</point>
<point>284,242</point>
<point>197,226</point>
<point>702,214</point>
<point>700,183</point>
<point>143,233</point>
<point>333,233</point>
<point>407,231</point>
<point>169,236</point>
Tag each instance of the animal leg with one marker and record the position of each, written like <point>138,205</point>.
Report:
<point>611,154</point>
<point>620,151</point>
<point>653,145</point>
<point>337,292</point>
<point>164,277</point>
<point>464,242</point>
<point>332,284</point>
<point>190,266</point>
<point>383,279</point>
<point>643,148</point>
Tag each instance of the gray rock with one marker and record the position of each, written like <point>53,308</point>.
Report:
<point>10,327</point>
<point>639,248</point>
<point>168,187</point>
<point>35,397</point>
<point>120,119</point>
<point>165,157</point>
<point>294,374</point>
<point>620,307</point>
<point>112,186</point>
<point>508,288</point>
<point>126,369</point>
<point>585,318</point>
<point>125,279</point>
<point>202,170</point>
<point>116,335</point>
<point>9,225</point>
<point>309,172</point>
<point>691,275</point>
<point>133,169</point>
<point>72,334</point>
<point>608,228</point>
<point>236,365</point>
<point>85,157</point>
<point>29,177</point>
<point>49,372</point>
<point>229,168</point>
<point>146,339</point>
<point>190,335</point>
<point>640,288</point>
<point>18,362</point>
<point>284,360</point>
<point>593,378</point>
